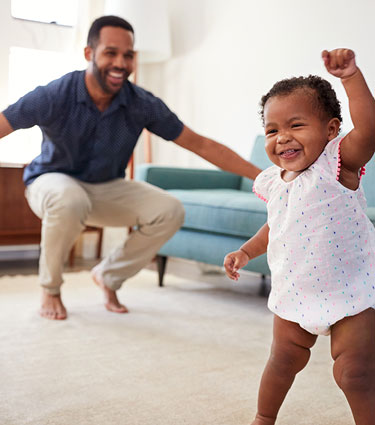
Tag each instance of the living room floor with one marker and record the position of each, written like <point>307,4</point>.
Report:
<point>178,267</point>
<point>30,266</point>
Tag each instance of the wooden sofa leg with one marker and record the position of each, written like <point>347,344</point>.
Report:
<point>161,261</point>
<point>264,290</point>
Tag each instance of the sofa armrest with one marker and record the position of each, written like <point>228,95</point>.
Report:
<point>186,178</point>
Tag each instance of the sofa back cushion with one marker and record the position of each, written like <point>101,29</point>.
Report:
<point>259,158</point>
<point>368,182</point>
<point>222,211</point>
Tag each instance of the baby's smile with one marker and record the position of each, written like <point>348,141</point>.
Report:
<point>289,153</point>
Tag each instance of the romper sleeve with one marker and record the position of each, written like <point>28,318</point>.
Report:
<point>264,182</point>
<point>334,157</point>
<point>329,160</point>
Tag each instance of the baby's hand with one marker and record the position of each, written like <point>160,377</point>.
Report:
<point>340,62</point>
<point>233,262</point>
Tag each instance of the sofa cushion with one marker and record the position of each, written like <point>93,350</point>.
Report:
<point>223,211</point>
<point>371,214</point>
<point>258,158</point>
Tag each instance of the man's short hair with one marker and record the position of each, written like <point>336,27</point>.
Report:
<point>105,21</point>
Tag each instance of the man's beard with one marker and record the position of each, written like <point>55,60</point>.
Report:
<point>100,78</point>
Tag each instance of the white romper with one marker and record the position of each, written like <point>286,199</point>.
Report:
<point>321,249</point>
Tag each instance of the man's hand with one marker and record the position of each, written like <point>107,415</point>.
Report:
<point>340,62</point>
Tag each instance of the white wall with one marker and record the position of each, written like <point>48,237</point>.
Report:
<point>227,54</point>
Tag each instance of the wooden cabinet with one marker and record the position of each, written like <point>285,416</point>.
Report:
<point>18,224</point>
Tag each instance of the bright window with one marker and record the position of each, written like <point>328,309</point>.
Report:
<point>29,68</point>
<point>50,11</point>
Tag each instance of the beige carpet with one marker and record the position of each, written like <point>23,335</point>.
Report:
<point>190,353</point>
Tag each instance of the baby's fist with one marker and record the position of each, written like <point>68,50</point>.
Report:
<point>340,62</point>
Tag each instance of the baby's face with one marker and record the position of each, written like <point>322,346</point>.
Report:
<point>296,135</point>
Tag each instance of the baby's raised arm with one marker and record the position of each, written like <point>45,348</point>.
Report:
<point>358,146</point>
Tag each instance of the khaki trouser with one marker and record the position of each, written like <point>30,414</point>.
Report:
<point>66,205</point>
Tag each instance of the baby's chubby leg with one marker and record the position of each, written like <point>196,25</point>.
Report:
<point>290,353</point>
<point>353,350</point>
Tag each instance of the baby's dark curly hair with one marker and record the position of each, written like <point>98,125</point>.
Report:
<point>324,99</point>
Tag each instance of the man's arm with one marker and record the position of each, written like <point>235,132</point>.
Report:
<point>216,153</point>
<point>5,127</point>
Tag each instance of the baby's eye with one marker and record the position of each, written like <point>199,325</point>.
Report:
<point>297,124</point>
<point>272,131</point>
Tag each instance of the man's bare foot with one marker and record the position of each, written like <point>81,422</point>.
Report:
<point>52,307</point>
<point>110,296</point>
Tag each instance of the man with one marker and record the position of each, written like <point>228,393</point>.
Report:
<point>91,121</point>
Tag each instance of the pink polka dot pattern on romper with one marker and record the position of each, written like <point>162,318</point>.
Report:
<point>321,249</point>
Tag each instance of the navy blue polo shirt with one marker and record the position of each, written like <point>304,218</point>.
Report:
<point>81,141</point>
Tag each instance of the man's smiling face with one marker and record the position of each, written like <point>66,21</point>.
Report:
<point>112,60</point>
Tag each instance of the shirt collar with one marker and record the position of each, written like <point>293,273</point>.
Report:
<point>121,99</point>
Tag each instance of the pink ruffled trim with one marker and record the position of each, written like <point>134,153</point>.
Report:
<point>362,171</point>
<point>338,162</point>
<point>259,195</point>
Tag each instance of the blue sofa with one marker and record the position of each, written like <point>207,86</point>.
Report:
<point>222,212</point>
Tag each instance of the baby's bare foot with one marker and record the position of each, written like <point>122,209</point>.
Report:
<point>263,420</point>
<point>110,297</point>
<point>52,307</point>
